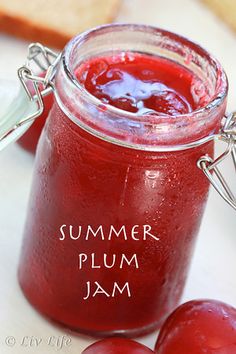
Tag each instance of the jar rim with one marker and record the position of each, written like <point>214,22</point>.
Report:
<point>149,132</point>
<point>216,101</point>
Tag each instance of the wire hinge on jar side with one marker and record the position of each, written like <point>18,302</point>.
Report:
<point>40,60</point>
<point>45,60</point>
<point>210,167</point>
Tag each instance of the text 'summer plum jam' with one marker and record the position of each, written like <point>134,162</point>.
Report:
<point>117,197</point>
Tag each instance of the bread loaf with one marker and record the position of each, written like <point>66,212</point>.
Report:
<point>54,22</point>
<point>226,9</point>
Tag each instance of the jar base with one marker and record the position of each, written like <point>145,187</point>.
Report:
<point>128,333</point>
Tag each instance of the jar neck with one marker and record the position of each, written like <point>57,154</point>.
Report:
<point>147,132</point>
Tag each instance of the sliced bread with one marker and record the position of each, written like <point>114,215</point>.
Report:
<point>54,22</point>
<point>225,9</point>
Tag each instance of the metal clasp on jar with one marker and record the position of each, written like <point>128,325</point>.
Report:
<point>210,167</point>
<point>43,59</point>
<point>40,59</point>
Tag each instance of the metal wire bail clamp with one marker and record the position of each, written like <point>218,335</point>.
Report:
<point>46,60</point>
<point>210,167</point>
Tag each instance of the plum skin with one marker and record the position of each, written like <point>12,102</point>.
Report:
<point>199,327</point>
<point>117,346</point>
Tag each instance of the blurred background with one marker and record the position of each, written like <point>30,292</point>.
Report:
<point>212,23</point>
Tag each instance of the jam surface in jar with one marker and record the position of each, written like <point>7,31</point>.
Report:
<point>81,180</point>
<point>142,84</point>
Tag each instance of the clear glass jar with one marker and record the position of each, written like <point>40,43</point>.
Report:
<point>110,182</point>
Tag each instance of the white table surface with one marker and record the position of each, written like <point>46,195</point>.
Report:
<point>214,265</point>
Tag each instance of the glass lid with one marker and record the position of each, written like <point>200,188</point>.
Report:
<point>14,107</point>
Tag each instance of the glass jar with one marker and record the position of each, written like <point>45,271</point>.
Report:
<point>117,198</point>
